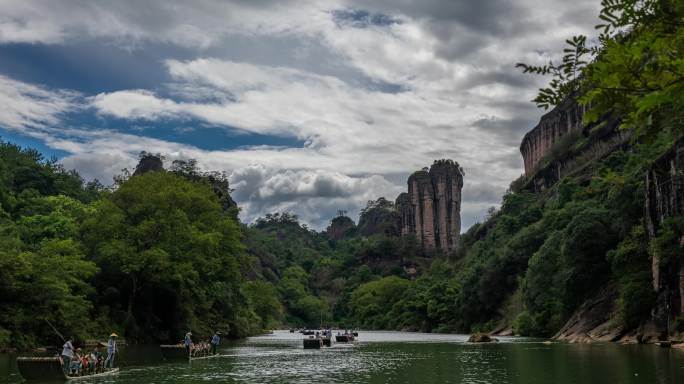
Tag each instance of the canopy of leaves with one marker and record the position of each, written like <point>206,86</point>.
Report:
<point>169,257</point>
<point>635,71</point>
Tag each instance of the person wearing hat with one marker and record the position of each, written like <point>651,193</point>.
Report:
<point>215,341</point>
<point>111,351</point>
<point>188,342</point>
<point>67,354</point>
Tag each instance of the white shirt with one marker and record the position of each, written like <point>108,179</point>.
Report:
<point>68,349</point>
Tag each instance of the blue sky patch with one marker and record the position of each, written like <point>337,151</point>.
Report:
<point>359,18</point>
<point>89,67</point>
<point>31,142</point>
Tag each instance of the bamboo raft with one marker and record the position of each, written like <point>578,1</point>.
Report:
<point>50,369</point>
<point>346,338</point>
<point>204,357</point>
<point>313,343</point>
<point>178,352</point>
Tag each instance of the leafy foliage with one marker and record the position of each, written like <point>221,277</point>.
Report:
<point>635,71</point>
<point>171,255</point>
<point>565,75</point>
<point>44,274</point>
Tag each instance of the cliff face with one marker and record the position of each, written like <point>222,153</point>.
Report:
<point>561,145</point>
<point>563,119</point>
<point>664,186</point>
<point>431,210</point>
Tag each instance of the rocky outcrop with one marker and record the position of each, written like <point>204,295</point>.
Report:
<point>563,119</point>
<point>188,169</point>
<point>431,210</point>
<point>664,185</point>
<point>481,338</point>
<point>148,163</point>
<point>561,145</point>
<point>220,186</point>
<point>592,321</point>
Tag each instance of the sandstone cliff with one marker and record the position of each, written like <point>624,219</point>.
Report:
<point>664,185</point>
<point>561,144</point>
<point>431,210</point>
<point>560,121</point>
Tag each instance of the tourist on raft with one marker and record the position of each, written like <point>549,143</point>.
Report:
<point>215,340</point>
<point>67,354</point>
<point>95,359</point>
<point>188,343</point>
<point>111,351</point>
<point>76,363</point>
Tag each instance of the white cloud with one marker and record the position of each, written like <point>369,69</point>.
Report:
<point>26,105</point>
<point>384,99</point>
<point>316,195</point>
<point>132,23</point>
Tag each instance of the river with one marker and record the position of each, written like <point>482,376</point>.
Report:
<point>400,357</point>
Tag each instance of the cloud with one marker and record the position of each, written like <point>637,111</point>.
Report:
<point>348,131</point>
<point>100,166</point>
<point>132,23</point>
<point>375,89</point>
<point>509,130</point>
<point>26,105</point>
<point>315,195</point>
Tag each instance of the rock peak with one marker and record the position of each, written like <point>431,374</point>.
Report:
<point>431,209</point>
<point>148,163</point>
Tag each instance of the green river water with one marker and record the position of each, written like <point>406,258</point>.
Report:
<point>399,357</point>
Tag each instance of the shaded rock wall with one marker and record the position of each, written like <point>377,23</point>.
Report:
<point>431,210</point>
<point>563,119</point>
<point>664,187</point>
<point>602,145</point>
<point>592,321</point>
<point>561,144</point>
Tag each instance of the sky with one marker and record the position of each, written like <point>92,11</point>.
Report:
<point>310,107</point>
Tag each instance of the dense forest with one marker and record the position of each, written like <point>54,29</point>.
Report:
<point>161,251</point>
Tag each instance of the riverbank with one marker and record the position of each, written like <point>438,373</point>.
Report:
<point>403,357</point>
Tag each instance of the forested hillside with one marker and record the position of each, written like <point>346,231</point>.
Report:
<point>570,231</point>
<point>593,232</point>
<point>151,257</point>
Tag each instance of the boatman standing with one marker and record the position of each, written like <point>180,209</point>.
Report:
<point>215,340</point>
<point>111,351</point>
<point>188,342</point>
<point>67,354</point>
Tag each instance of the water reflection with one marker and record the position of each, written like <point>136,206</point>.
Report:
<point>394,357</point>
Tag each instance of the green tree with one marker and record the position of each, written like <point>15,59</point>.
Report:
<point>49,283</point>
<point>169,255</point>
<point>372,304</point>
<point>263,298</point>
